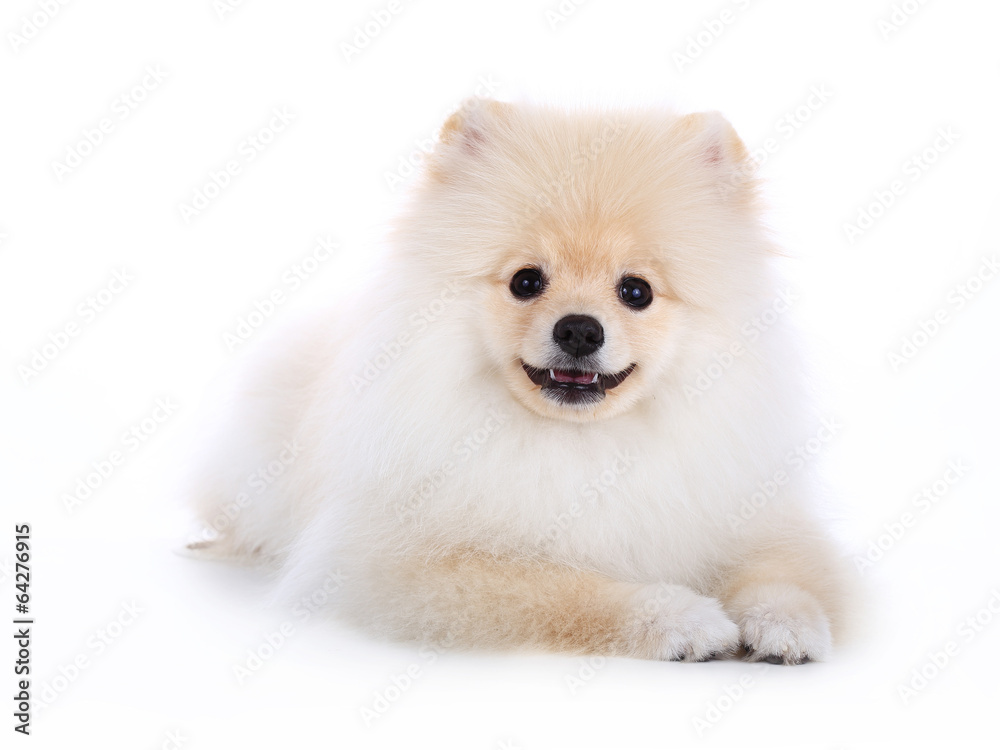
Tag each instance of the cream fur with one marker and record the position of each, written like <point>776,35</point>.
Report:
<point>605,529</point>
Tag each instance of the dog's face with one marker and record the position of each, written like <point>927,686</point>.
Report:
<point>598,239</point>
<point>578,333</point>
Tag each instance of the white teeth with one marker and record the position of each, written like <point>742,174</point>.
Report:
<point>595,378</point>
<point>552,374</point>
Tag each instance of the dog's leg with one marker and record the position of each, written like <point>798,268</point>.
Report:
<point>789,599</point>
<point>472,599</point>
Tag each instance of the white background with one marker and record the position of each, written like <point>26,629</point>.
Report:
<point>167,679</point>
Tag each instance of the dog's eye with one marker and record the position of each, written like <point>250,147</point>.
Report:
<point>635,292</point>
<point>527,282</point>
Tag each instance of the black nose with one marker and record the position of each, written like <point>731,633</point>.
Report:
<point>578,335</point>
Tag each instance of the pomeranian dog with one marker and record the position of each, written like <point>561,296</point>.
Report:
<point>553,419</point>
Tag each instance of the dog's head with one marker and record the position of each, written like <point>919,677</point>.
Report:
<point>601,243</point>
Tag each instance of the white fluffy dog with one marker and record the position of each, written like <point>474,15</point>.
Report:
<point>554,420</point>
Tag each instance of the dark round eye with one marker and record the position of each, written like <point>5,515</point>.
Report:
<point>635,292</point>
<point>527,282</point>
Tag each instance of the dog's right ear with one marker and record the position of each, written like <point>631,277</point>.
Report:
<point>468,134</point>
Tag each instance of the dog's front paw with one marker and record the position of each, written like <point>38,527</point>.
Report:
<point>782,624</point>
<point>677,624</point>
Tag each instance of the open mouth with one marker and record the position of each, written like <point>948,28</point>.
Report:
<point>575,386</point>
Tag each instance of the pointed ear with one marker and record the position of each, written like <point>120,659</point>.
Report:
<point>472,125</point>
<point>717,138</point>
<point>720,148</point>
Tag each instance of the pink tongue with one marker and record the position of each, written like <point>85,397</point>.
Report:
<point>562,376</point>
